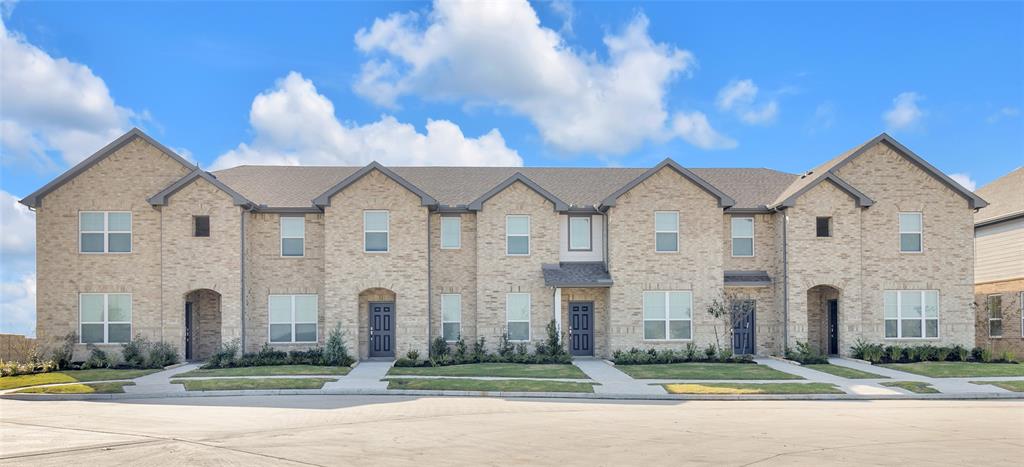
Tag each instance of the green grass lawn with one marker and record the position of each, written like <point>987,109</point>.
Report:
<point>232,384</point>
<point>704,371</point>
<point>1015,386</point>
<point>958,369</point>
<point>843,372</point>
<point>274,370</point>
<point>752,388</point>
<point>503,370</point>
<point>912,386</point>
<point>506,385</point>
<point>80,388</point>
<point>70,376</point>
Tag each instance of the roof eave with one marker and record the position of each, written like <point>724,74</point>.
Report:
<point>324,199</point>
<point>724,200</point>
<point>160,199</point>
<point>478,203</point>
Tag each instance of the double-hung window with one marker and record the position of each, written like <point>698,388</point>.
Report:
<point>105,232</point>
<point>666,231</point>
<point>376,225</point>
<point>517,235</point>
<point>994,303</point>
<point>668,315</point>
<point>105,318</point>
<point>911,229</point>
<point>579,233</point>
<point>743,236</point>
<point>517,316</point>
<point>451,316</point>
<point>451,232</point>
<point>911,314</point>
<point>293,318</point>
<point>293,235</point>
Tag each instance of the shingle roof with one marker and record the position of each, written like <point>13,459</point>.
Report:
<point>576,275</point>
<point>747,278</point>
<point>296,186</point>
<point>1005,196</point>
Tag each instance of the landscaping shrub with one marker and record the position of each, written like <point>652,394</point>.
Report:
<point>894,353</point>
<point>479,350</point>
<point>461,352</point>
<point>161,354</point>
<point>97,359</point>
<point>225,356</point>
<point>134,351</point>
<point>805,354</point>
<point>960,353</point>
<point>438,348</point>
<point>690,352</point>
<point>505,348</point>
<point>867,351</point>
<point>981,355</point>
<point>635,356</point>
<point>64,352</point>
<point>1008,357</point>
<point>335,353</point>
<point>943,353</point>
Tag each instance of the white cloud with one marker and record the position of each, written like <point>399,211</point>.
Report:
<point>1003,113</point>
<point>565,9</point>
<point>964,180</point>
<point>739,96</point>
<point>694,128</point>
<point>52,105</point>
<point>905,113</point>
<point>18,306</point>
<point>294,124</point>
<point>17,257</point>
<point>497,54</point>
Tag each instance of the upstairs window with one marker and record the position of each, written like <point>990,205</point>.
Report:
<point>823,226</point>
<point>376,225</point>
<point>579,233</point>
<point>995,315</point>
<point>105,232</point>
<point>517,235</point>
<point>200,226</point>
<point>451,232</point>
<point>105,318</point>
<point>666,231</point>
<point>743,236</point>
<point>293,236</point>
<point>911,228</point>
<point>911,314</point>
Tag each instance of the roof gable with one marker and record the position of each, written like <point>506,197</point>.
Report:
<point>325,198</point>
<point>478,203</point>
<point>160,199</point>
<point>860,198</point>
<point>723,199</point>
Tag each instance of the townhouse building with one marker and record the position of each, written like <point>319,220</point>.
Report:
<point>875,244</point>
<point>999,265</point>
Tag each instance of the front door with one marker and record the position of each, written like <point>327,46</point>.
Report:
<point>833,327</point>
<point>743,312</point>
<point>382,329</point>
<point>581,328</point>
<point>188,330</point>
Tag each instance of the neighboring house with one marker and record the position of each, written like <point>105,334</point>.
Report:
<point>999,265</point>
<point>873,245</point>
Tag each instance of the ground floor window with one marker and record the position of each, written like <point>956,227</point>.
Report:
<point>995,315</point>
<point>517,316</point>
<point>668,315</point>
<point>105,318</point>
<point>293,318</point>
<point>911,314</point>
<point>451,316</point>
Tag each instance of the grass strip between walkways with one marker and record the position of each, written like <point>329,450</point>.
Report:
<point>498,370</point>
<point>110,387</point>
<point>752,388</point>
<point>273,370</point>
<point>958,369</point>
<point>916,387</point>
<point>704,371</point>
<point>844,372</point>
<point>235,384</point>
<point>70,376</point>
<point>500,385</point>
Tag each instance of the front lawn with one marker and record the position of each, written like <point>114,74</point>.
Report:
<point>1015,386</point>
<point>958,369</point>
<point>87,388</point>
<point>912,386</point>
<point>843,372</point>
<point>752,388</point>
<point>704,371</point>
<point>70,376</point>
<point>503,370</point>
<point>506,385</point>
<point>273,370</point>
<point>232,384</point>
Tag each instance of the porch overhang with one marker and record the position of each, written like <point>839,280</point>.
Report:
<point>568,275</point>
<point>747,279</point>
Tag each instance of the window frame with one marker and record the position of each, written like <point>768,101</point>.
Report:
<point>919,233</point>
<point>828,227</point>
<point>988,308</point>
<point>733,236</point>
<point>529,315</point>
<point>280,226</point>
<point>458,232</point>
<point>106,317</point>
<point>106,233</point>
<point>315,323</point>
<point>656,231</point>
<point>923,319</point>
<point>443,322</point>
<point>668,321</point>
<point>529,236</point>
<point>195,226</point>
<point>386,231</point>
<point>590,232</point>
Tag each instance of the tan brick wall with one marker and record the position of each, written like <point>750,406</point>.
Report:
<point>454,272</point>
<point>767,317</point>
<point>601,317</point>
<point>499,274</point>
<point>1012,339</point>
<point>635,267</point>
<point>765,248</point>
<point>206,323</point>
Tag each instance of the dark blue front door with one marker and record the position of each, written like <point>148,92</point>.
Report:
<point>581,328</point>
<point>382,329</point>
<point>743,326</point>
<point>188,330</point>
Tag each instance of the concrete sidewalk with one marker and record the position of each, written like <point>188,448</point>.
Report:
<point>613,381</point>
<point>366,376</point>
<point>864,387</point>
<point>160,382</point>
<point>943,385</point>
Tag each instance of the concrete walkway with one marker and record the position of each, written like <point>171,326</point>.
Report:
<point>160,382</point>
<point>864,387</point>
<point>367,375</point>
<point>943,385</point>
<point>613,381</point>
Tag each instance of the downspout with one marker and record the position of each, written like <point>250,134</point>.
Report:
<point>162,323</point>
<point>241,268</point>
<point>785,283</point>
<point>430,290</point>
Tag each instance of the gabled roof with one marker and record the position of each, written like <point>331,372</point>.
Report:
<point>1006,197</point>
<point>860,198</point>
<point>478,203</point>
<point>723,199</point>
<point>822,172</point>
<point>35,199</point>
<point>160,199</point>
<point>325,198</point>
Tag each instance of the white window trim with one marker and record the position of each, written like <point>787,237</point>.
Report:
<point>920,232</point>
<point>529,239</point>
<point>316,323</point>
<point>656,232</point>
<point>590,232</point>
<point>924,316</point>
<point>106,318</point>
<point>668,294</point>
<point>386,231</point>
<point>280,227</point>
<point>529,315</point>
<point>458,233</point>
<point>106,233</point>
<point>443,322</point>
<point>733,235</point>
<point>988,310</point>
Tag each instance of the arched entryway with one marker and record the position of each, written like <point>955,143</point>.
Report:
<point>377,323</point>
<point>202,324</point>
<point>823,318</point>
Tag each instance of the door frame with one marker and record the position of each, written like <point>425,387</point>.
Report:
<point>591,330</point>
<point>753,325</point>
<point>832,322</point>
<point>369,326</point>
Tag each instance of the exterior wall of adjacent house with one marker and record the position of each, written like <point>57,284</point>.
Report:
<point>1011,312</point>
<point>453,271</point>
<point>999,270</point>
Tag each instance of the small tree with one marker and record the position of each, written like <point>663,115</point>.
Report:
<point>719,313</point>
<point>335,352</point>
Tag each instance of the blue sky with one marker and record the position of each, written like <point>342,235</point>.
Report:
<point>778,85</point>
